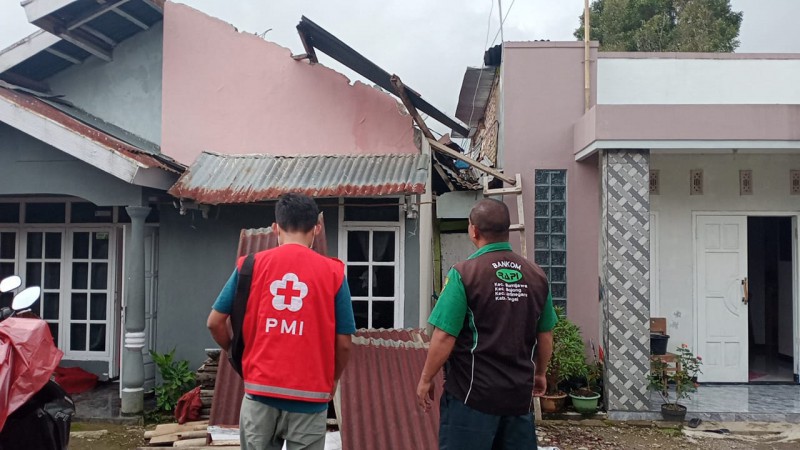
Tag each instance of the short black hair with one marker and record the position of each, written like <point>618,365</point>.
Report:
<point>492,219</point>
<point>296,212</point>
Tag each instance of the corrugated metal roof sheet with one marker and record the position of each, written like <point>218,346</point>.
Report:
<point>215,179</point>
<point>40,107</point>
<point>379,404</point>
<point>228,388</point>
<point>475,90</point>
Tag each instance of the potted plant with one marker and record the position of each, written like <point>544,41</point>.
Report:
<point>683,377</point>
<point>567,362</point>
<point>585,399</point>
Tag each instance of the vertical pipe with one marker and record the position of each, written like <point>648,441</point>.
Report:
<point>500,12</point>
<point>425,243</point>
<point>587,82</point>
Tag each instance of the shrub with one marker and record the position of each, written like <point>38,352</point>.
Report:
<point>176,378</point>
<point>568,360</point>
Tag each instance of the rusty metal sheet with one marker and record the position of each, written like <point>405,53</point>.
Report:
<point>394,334</point>
<point>219,179</point>
<point>39,107</point>
<point>379,408</point>
<point>228,389</point>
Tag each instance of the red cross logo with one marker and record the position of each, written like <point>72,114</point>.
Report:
<point>288,293</point>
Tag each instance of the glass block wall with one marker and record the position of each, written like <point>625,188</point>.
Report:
<point>550,228</point>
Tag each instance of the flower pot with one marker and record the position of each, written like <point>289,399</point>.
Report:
<point>585,404</point>
<point>673,413</point>
<point>658,343</point>
<point>553,403</point>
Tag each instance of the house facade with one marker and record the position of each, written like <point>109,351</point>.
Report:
<point>679,186</point>
<point>138,140</point>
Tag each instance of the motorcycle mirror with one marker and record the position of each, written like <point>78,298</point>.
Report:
<point>8,284</point>
<point>26,298</point>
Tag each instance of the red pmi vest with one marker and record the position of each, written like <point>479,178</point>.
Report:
<point>289,327</point>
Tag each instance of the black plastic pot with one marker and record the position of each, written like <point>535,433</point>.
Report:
<point>658,343</point>
<point>671,414</point>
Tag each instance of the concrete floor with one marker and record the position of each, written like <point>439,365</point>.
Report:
<point>102,404</point>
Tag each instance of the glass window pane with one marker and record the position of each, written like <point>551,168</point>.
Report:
<point>98,307</point>
<point>89,213</point>
<point>382,314</point>
<point>36,307</point>
<point>78,307</point>
<point>559,290</point>
<point>383,246</point>
<point>53,331</point>
<point>542,257</point>
<point>383,281</point>
<point>357,246</point>
<point>542,177</point>
<point>8,245</point>
<point>9,212</point>
<point>80,275</point>
<point>371,210</point>
<point>35,245</point>
<point>558,178</point>
<point>77,336</point>
<point>358,280</point>
<point>558,274</point>
<point>45,213</point>
<point>7,269</point>
<point>542,209</point>
<point>542,193</point>
<point>100,245</point>
<point>542,242</point>
<point>361,313</point>
<point>52,275</point>
<point>559,258</point>
<point>80,245</point>
<point>559,242</point>
<point>558,226</point>
<point>541,225</point>
<point>558,193</point>
<point>97,337</point>
<point>52,245</point>
<point>33,274</point>
<point>559,209</point>
<point>99,275</point>
<point>50,306</point>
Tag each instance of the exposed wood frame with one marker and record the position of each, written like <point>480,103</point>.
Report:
<point>436,166</point>
<point>40,87</point>
<point>400,91</point>
<point>26,48</point>
<point>85,41</point>
<point>311,54</point>
<point>131,19</point>
<point>441,148</point>
<point>77,23</point>
<point>63,55</point>
<point>94,32</point>
<point>158,6</point>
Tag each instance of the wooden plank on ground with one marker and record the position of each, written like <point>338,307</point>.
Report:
<point>170,428</point>
<point>196,442</point>
<point>228,447</point>
<point>193,434</point>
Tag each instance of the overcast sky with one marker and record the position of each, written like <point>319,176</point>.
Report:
<point>430,43</point>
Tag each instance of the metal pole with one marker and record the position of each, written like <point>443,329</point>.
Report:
<point>500,12</point>
<point>587,80</point>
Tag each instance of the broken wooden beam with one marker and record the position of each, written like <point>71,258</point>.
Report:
<point>441,148</point>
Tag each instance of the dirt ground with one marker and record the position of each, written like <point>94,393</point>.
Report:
<point>565,436</point>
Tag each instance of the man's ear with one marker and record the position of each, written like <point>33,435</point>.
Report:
<point>275,228</point>
<point>317,229</point>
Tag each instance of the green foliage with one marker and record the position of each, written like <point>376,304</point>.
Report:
<point>568,360</point>
<point>664,25</point>
<point>176,377</point>
<point>683,379</point>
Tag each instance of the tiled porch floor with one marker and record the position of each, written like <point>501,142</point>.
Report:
<point>102,404</point>
<point>731,403</point>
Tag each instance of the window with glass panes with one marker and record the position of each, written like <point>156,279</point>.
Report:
<point>550,228</point>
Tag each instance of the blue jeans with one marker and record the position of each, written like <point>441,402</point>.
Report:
<point>463,428</point>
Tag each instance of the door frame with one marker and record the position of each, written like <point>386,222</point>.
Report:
<point>795,216</point>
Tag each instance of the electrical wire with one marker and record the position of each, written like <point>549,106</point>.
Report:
<point>503,21</point>
<point>477,85</point>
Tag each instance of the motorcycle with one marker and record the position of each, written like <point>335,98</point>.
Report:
<point>35,412</point>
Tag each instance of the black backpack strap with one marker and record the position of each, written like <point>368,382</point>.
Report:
<point>236,352</point>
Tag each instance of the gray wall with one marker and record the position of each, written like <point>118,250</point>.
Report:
<point>29,166</point>
<point>196,258</point>
<point>411,271</point>
<point>125,91</point>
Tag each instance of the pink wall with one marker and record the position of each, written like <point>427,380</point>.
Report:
<point>235,93</point>
<point>543,99</point>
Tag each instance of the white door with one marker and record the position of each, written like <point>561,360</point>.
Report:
<point>722,306</point>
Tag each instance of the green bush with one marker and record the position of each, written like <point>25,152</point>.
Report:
<point>177,379</point>
<point>568,360</point>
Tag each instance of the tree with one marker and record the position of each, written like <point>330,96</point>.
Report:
<point>664,25</point>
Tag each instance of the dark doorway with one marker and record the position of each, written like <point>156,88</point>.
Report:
<point>771,311</point>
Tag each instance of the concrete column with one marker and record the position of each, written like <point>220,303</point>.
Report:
<point>625,277</point>
<point>132,362</point>
<point>425,221</point>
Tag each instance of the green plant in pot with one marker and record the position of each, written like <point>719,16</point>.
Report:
<point>683,377</point>
<point>585,399</point>
<point>568,362</point>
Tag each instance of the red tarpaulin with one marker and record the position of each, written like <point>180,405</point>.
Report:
<point>27,359</point>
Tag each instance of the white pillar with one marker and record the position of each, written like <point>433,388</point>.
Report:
<point>426,244</point>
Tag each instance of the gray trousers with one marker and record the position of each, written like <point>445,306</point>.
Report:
<point>262,427</point>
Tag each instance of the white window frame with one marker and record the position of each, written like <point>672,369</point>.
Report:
<point>399,264</point>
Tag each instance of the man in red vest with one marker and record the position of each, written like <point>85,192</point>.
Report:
<point>297,334</point>
<point>493,327</point>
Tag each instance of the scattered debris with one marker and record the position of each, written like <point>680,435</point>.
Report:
<point>207,379</point>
